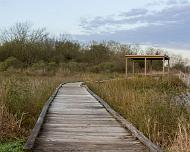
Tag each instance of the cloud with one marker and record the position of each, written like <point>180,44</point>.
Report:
<point>177,2</point>
<point>168,27</point>
<point>129,17</point>
<point>168,2</point>
<point>3,3</point>
<point>166,16</point>
<point>134,12</point>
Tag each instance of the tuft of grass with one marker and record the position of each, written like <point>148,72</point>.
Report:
<point>148,104</point>
<point>182,140</point>
<point>16,146</point>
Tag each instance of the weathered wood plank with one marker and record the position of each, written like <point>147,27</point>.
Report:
<point>78,116</point>
<point>86,139</point>
<point>86,129</point>
<point>91,146</point>
<point>87,122</point>
<point>86,133</point>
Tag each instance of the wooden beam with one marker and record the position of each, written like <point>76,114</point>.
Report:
<point>149,57</point>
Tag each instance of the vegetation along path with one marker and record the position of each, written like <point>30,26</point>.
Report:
<point>74,119</point>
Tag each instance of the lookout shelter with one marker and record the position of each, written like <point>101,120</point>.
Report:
<point>145,58</point>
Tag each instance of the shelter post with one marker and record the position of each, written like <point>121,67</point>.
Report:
<point>168,66</point>
<point>133,67</point>
<point>145,62</point>
<point>126,70</point>
<point>163,66</point>
<point>151,66</point>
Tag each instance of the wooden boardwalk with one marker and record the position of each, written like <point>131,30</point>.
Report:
<point>77,121</point>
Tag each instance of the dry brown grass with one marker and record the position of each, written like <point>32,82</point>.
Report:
<point>21,100</point>
<point>147,103</point>
<point>182,140</point>
<point>22,96</point>
<point>10,125</point>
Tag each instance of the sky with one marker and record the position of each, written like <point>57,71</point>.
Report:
<point>157,23</point>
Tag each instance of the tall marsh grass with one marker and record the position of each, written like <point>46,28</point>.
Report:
<point>148,104</point>
<point>182,140</point>
<point>21,100</point>
<point>23,94</point>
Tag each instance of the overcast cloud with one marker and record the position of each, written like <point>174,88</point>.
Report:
<point>168,27</point>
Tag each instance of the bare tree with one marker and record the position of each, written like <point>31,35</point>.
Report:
<point>23,32</point>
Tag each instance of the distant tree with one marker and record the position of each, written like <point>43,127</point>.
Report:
<point>23,43</point>
<point>154,51</point>
<point>66,51</point>
<point>97,53</point>
<point>179,63</point>
<point>23,32</point>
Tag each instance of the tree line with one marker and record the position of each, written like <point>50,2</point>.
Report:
<point>24,47</point>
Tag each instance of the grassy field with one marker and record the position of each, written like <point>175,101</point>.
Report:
<point>22,96</point>
<point>145,102</point>
<point>148,103</point>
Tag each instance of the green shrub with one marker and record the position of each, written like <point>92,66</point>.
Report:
<point>16,146</point>
<point>52,66</point>
<point>103,67</point>
<point>18,95</point>
<point>74,66</point>
<point>41,65</point>
<point>10,62</point>
<point>43,68</point>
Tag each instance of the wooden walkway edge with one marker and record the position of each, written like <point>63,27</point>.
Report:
<point>76,119</point>
<point>35,131</point>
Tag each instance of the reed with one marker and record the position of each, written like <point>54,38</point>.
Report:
<point>23,94</point>
<point>148,103</point>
